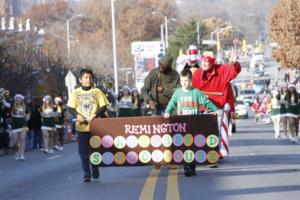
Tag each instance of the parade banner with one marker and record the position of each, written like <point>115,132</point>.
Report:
<point>132,141</point>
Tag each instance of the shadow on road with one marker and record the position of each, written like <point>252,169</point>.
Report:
<point>259,190</point>
<point>260,142</point>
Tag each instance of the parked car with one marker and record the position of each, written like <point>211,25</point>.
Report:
<point>247,96</point>
<point>241,109</point>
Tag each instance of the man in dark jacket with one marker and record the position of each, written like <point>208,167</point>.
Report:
<point>159,85</point>
<point>4,110</point>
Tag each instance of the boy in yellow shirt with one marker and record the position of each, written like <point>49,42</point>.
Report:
<point>86,103</point>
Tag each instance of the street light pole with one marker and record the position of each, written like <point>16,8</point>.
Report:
<point>166,27</point>
<point>68,33</point>
<point>214,32</point>
<point>218,43</point>
<point>218,31</point>
<point>114,46</point>
<point>68,39</point>
<point>198,34</point>
<point>162,33</point>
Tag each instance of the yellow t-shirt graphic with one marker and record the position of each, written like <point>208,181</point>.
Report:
<point>86,103</point>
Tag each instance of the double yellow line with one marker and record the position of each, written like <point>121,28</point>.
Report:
<point>148,191</point>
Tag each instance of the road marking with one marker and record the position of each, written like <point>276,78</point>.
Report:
<point>53,157</point>
<point>149,186</point>
<point>172,186</point>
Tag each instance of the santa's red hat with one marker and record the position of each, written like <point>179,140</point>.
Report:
<point>193,54</point>
<point>208,56</point>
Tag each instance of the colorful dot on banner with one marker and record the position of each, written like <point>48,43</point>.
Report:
<point>188,156</point>
<point>199,140</point>
<point>157,156</point>
<point>119,142</point>
<point>167,140</point>
<point>132,157</point>
<point>95,141</point>
<point>156,141</point>
<point>178,139</point>
<point>107,141</point>
<point>95,158</point>
<point>144,141</point>
<point>188,140</point>
<point>212,141</point>
<point>168,156</point>
<point>144,156</point>
<point>200,156</point>
<point>178,156</point>
<point>132,141</point>
<point>212,156</point>
<point>120,158</point>
<point>108,158</point>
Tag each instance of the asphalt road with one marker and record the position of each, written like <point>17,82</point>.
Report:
<point>259,167</point>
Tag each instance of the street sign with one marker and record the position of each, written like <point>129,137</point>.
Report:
<point>147,48</point>
<point>146,57</point>
<point>209,42</point>
<point>70,82</point>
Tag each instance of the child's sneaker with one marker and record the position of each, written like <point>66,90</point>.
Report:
<point>87,178</point>
<point>194,173</point>
<point>95,173</point>
<point>22,158</point>
<point>187,171</point>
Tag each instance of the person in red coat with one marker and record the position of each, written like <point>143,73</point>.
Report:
<point>214,81</point>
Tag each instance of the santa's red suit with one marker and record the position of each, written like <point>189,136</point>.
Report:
<point>217,80</point>
<point>215,83</point>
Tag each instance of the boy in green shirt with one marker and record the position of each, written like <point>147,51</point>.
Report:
<point>186,101</point>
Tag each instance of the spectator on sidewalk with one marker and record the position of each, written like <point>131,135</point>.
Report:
<point>136,102</point>
<point>4,109</point>
<point>125,103</point>
<point>34,125</point>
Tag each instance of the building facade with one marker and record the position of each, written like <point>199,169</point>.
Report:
<point>10,8</point>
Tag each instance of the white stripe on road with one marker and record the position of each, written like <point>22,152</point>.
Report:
<point>53,157</point>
